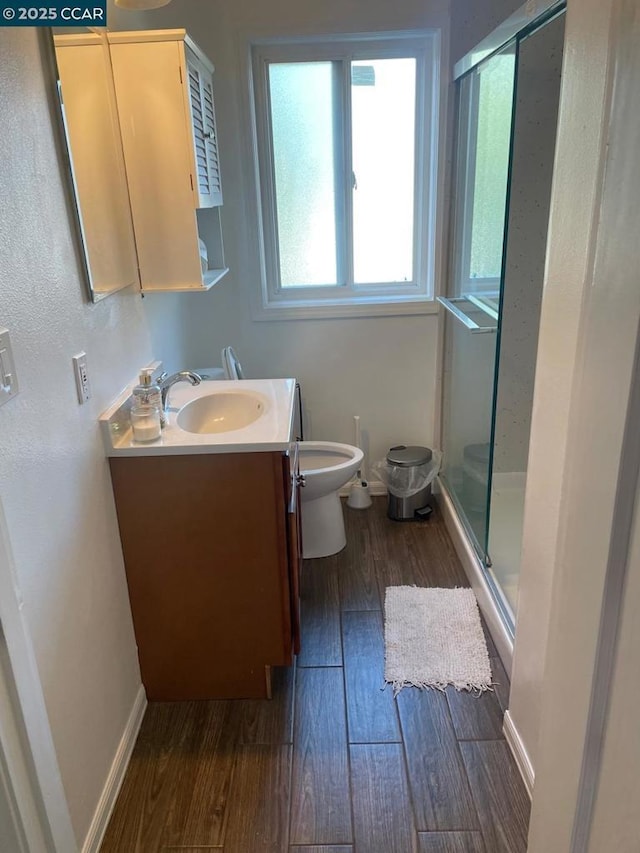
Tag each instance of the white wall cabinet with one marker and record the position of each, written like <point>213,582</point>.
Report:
<point>164,92</point>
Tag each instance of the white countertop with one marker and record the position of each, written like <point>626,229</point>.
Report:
<point>270,432</point>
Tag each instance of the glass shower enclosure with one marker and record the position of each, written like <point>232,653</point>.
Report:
<point>507,106</point>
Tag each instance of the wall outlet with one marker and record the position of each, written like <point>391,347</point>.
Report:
<point>82,377</point>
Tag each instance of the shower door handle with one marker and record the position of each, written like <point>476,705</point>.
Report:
<point>461,317</point>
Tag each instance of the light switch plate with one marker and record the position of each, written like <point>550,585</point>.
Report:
<point>8,377</point>
<point>82,377</point>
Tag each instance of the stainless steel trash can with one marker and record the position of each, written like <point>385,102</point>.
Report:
<point>404,508</point>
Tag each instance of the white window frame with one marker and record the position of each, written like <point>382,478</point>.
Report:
<point>349,299</point>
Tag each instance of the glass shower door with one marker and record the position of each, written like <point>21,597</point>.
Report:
<point>472,305</point>
<point>534,134</point>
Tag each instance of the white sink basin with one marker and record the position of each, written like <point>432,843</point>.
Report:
<point>225,411</point>
<point>228,416</point>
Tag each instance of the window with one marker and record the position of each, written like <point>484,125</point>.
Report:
<point>345,144</point>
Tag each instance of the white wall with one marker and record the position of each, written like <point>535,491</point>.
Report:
<point>575,196</point>
<point>54,479</point>
<point>593,275</point>
<point>615,818</point>
<point>384,368</point>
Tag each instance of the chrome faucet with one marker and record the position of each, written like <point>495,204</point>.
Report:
<point>165,382</point>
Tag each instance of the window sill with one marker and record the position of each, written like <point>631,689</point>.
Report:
<point>343,310</point>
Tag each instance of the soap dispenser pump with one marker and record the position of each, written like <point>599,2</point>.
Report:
<point>148,393</point>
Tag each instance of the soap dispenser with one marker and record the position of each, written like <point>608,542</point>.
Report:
<point>148,393</point>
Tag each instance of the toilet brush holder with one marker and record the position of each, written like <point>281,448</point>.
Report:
<point>359,496</point>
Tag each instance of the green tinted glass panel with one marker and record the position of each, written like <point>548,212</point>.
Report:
<point>493,92</point>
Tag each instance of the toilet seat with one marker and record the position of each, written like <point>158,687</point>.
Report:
<point>316,456</point>
<point>231,365</point>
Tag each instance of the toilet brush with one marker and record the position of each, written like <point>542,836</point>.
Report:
<point>359,497</point>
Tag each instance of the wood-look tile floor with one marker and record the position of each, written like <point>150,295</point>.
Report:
<point>333,764</point>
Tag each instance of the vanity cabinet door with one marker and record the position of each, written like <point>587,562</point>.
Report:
<point>206,553</point>
<point>294,541</point>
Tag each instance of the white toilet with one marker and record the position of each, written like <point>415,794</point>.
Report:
<point>327,467</point>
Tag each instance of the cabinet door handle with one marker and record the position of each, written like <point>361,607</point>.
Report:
<point>294,476</point>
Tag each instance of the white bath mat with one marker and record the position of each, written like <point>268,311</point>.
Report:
<point>433,637</point>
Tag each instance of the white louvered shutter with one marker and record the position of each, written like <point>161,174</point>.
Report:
<point>204,135</point>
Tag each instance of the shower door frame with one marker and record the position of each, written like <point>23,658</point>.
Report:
<point>461,203</point>
<point>520,24</point>
<point>514,29</point>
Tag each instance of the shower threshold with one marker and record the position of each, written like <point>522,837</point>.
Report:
<point>494,605</point>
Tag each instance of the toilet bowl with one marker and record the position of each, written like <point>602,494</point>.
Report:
<point>326,466</point>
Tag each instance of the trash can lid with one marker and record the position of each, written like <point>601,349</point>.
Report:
<point>408,457</point>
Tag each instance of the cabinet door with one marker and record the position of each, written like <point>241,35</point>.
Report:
<point>157,151</point>
<point>210,592</point>
<point>295,563</point>
<point>96,158</point>
<point>205,139</point>
<point>294,542</point>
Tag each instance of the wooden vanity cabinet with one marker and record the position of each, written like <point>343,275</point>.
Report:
<point>212,554</point>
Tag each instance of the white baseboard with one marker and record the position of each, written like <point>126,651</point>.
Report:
<point>119,766</point>
<point>519,753</point>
